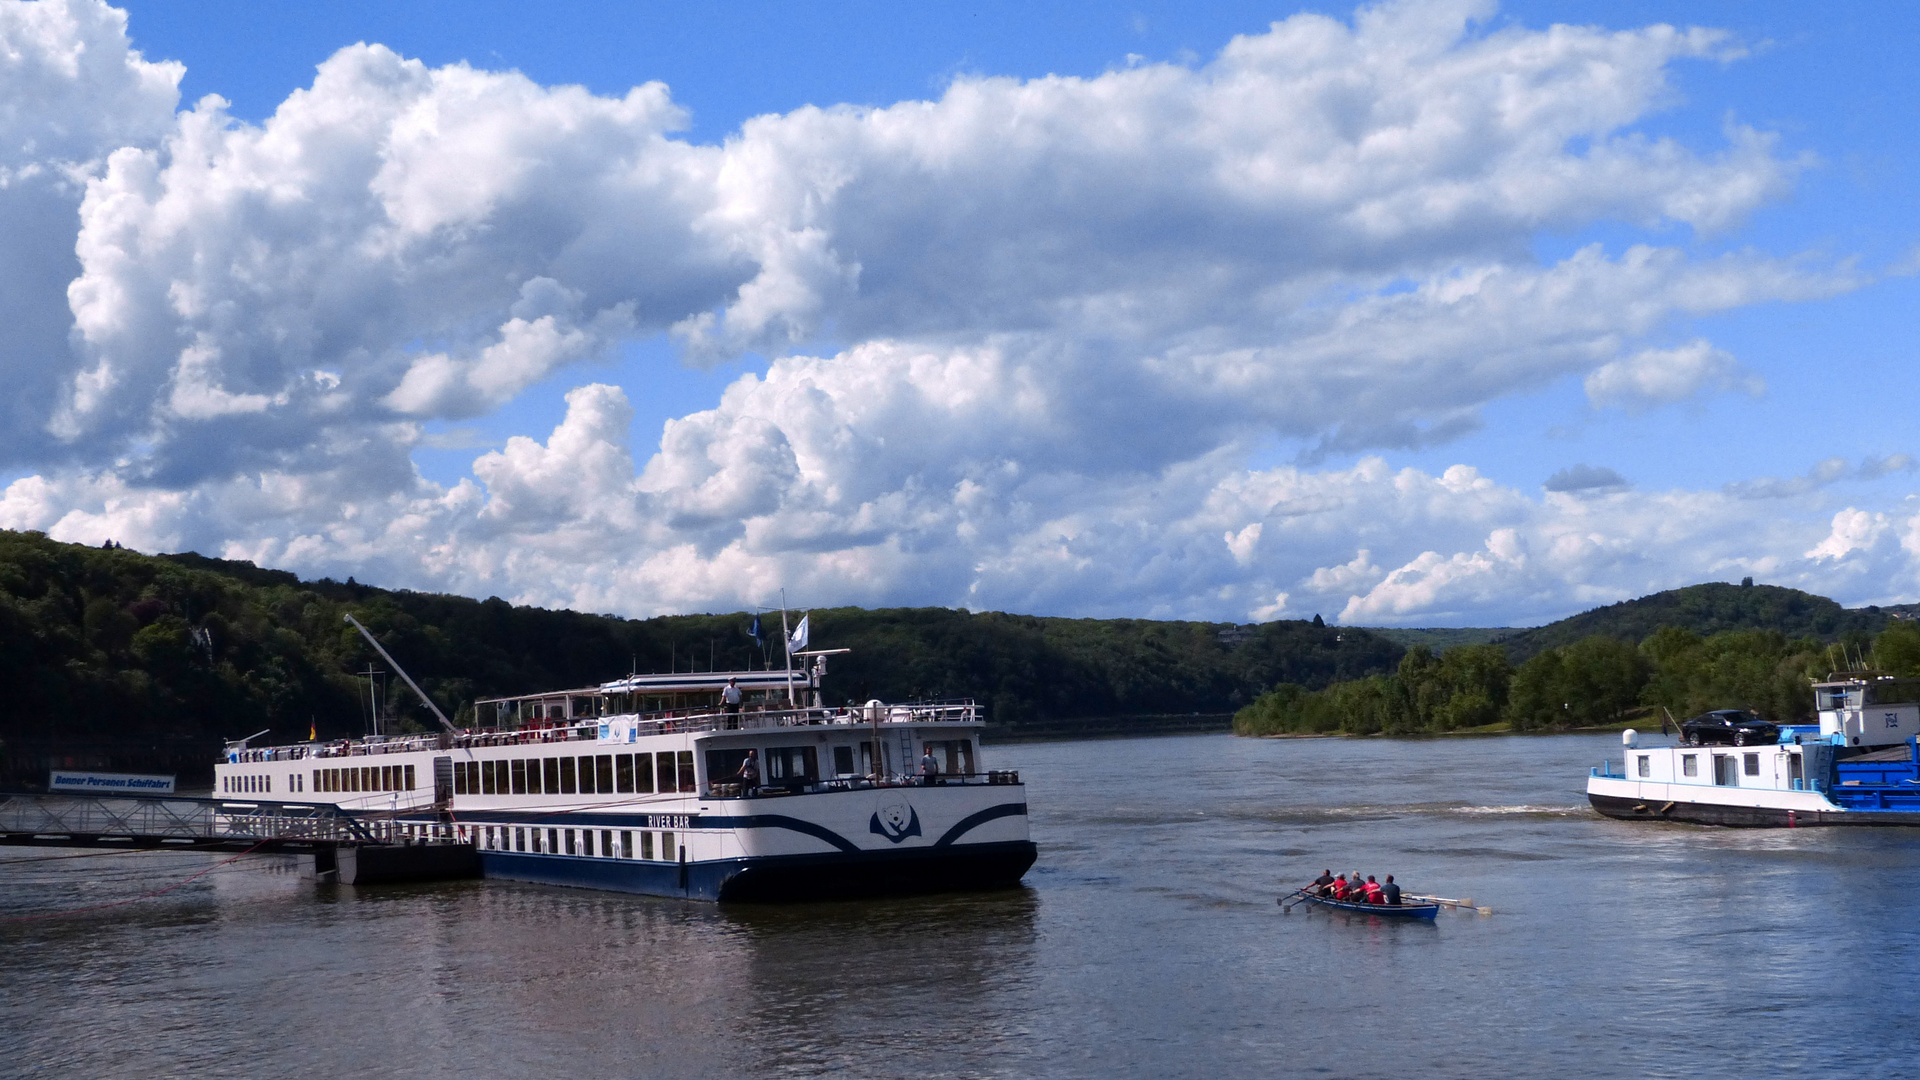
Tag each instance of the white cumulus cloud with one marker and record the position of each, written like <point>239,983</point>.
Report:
<point>1023,336</point>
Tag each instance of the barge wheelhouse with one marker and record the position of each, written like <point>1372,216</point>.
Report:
<point>634,785</point>
<point>1859,766</point>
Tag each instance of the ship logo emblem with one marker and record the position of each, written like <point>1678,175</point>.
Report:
<point>896,822</point>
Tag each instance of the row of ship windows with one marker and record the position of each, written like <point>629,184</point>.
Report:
<point>1690,764</point>
<point>258,784</point>
<point>592,843</point>
<point>365,778</point>
<point>590,774</point>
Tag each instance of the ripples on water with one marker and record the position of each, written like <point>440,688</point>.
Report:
<point>1146,943</point>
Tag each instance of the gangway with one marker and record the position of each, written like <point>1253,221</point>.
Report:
<point>359,848</point>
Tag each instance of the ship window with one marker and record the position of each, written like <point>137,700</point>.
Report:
<point>603,774</point>
<point>1689,765</point>
<point>623,773</point>
<point>1723,770</point>
<point>567,780</point>
<point>687,782</point>
<point>724,765</point>
<point>552,770</point>
<point>626,846</point>
<point>586,775</point>
<point>666,846</point>
<point>487,785</point>
<point>643,773</point>
<point>410,778</point>
<point>517,776</point>
<point>519,839</point>
<point>571,842</point>
<point>646,845</point>
<point>843,761</point>
<point>1752,765</point>
<point>792,764</point>
<point>460,780</point>
<point>666,773</point>
<point>553,840</point>
<point>387,782</point>
<point>533,776</point>
<point>1646,767</point>
<point>606,844</point>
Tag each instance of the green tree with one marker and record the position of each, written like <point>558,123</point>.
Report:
<point>1897,650</point>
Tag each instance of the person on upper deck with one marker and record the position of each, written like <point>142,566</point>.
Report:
<point>929,768</point>
<point>1322,885</point>
<point>1390,893</point>
<point>730,703</point>
<point>1371,890</point>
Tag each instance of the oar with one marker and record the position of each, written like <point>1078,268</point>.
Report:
<point>1296,896</point>
<point>1463,902</point>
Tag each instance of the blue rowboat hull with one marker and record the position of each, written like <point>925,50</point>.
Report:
<point>1397,911</point>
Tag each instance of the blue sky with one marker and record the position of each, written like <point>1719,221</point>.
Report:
<point>1133,439</point>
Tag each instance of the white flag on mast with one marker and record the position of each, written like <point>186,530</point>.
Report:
<point>798,639</point>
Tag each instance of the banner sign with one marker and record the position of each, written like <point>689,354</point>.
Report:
<point>110,783</point>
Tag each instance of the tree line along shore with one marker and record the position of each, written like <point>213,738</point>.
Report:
<point>117,659</point>
<point>1598,680</point>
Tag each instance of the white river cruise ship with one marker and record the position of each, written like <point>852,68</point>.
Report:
<point>634,785</point>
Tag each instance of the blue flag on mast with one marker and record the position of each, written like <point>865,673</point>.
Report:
<point>798,640</point>
<point>754,631</point>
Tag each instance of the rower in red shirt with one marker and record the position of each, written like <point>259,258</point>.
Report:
<point>1372,889</point>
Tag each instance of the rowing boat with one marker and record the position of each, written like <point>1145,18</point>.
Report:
<point>1415,910</point>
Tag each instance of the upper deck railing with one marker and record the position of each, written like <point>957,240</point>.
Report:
<point>624,728</point>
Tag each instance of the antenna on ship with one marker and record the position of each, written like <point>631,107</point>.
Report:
<point>373,700</point>
<point>437,714</point>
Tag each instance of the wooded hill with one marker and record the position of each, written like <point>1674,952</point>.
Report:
<point>1682,651</point>
<point>112,658</point>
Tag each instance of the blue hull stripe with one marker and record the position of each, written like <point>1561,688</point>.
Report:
<point>973,821</point>
<point>781,821</point>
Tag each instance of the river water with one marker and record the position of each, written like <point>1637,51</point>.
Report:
<point>1146,942</point>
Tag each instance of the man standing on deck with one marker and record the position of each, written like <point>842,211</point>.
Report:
<point>730,703</point>
<point>929,768</point>
<point>749,774</point>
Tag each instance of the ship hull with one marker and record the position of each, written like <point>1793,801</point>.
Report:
<point>1757,817</point>
<point>824,875</point>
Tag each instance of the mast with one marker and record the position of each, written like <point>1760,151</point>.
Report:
<point>786,646</point>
